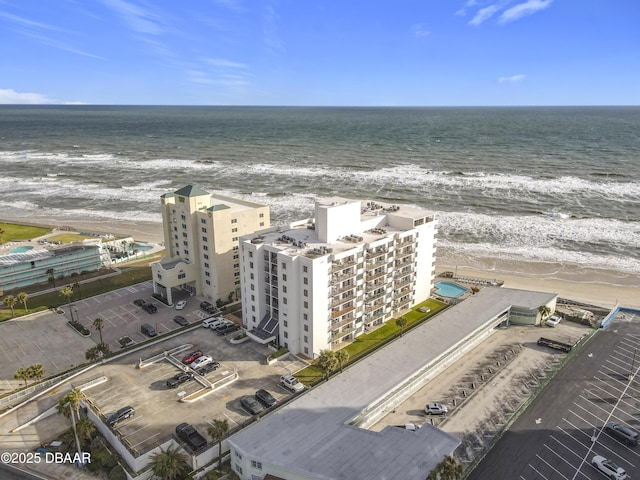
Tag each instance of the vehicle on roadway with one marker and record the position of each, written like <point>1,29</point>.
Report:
<point>622,433</point>
<point>610,469</point>
<point>435,409</point>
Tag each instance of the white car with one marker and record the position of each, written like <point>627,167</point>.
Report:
<point>201,362</point>
<point>212,320</point>
<point>610,469</point>
<point>291,383</point>
<point>181,304</point>
<point>553,321</point>
<point>435,409</point>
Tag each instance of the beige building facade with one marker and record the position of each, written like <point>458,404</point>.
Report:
<point>201,233</point>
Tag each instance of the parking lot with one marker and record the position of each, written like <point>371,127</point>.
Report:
<point>563,429</point>
<point>158,407</point>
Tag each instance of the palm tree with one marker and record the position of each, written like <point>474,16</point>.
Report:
<point>342,356</point>
<point>22,374</point>
<point>327,362</point>
<point>97,324</point>
<point>51,275</point>
<point>86,429</point>
<point>72,401</point>
<point>22,298</point>
<point>169,464</point>
<point>77,287</point>
<point>36,371</point>
<point>217,430</point>
<point>544,312</point>
<point>447,469</point>
<point>100,350</point>
<point>401,322</point>
<point>10,301</point>
<point>2,232</point>
<point>67,292</point>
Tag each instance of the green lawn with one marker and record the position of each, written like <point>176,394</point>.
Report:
<point>68,237</point>
<point>368,342</point>
<point>13,231</point>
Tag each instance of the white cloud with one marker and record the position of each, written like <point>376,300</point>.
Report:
<point>512,79</point>
<point>25,22</point>
<point>419,30</point>
<point>221,62</point>
<point>523,9</point>
<point>11,97</point>
<point>138,19</point>
<point>484,14</point>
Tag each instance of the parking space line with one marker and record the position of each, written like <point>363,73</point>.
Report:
<point>624,367</point>
<point>538,472</point>
<point>583,419</point>
<point>563,445</point>
<point>621,396</point>
<point>551,467</point>
<point>599,420</point>
<point>560,457</point>
<point>230,419</point>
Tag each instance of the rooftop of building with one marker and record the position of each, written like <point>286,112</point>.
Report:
<point>301,238</point>
<point>312,432</point>
<point>43,253</point>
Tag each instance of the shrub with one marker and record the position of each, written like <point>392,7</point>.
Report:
<point>79,327</point>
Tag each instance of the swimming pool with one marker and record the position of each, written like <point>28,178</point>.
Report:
<point>20,249</point>
<point>450,289</point>
<point>139,247</point>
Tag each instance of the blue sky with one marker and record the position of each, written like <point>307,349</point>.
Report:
<point>320,52</point>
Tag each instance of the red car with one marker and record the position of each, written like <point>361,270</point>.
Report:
<point>191,357</point>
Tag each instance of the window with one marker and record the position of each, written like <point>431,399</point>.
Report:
<point>306,304</point>
<point>305,280</point>
<point>251,276</point>
<point>238,455</point>
<point>234,230</point>
<point>284,300</point>
<point>182,275</point>
<point>235,247</point>
<point>206,265</point>
<point>234,220</point>
<point>184,235</point>
<point>250,254</point>
<point>253,298</point>
<point>183,217</point>
<point>238,469</point>
<point>261,215</point>
<point>253,287</point>
<point>184,225</point>
<point>286,324</point>
<point>256,465</point>
<point>236,274</point>
<point>177,244</point>
<point>186,252</point>
<point>284,277</point>
<point>284,289</point>
<point>204,239</point>
<point>306,339</point>
<point>253,308</point>
<point>250,264</point>
<point>306,350</point>
<point>208,282</point>
<point>236,265</point>
<point>202,220</point>
<point>234,239</point>
<point>175,229</point>
<point>305,316</point>
<point>237,282</point>
<point>204,247</point>
<point>305,269</point>
<point>207,274</point>
<point>159,275</point>
<point>206,257</point>
<point>306,328</point>
<point>175,236</point>
<point>236,256</point>
<point>306,292</point>
<point>284,266</point>
<point>262,224</point>
<point>286,334</point>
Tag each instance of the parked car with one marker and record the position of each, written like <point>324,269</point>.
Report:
<point>180,320</point>
<point>207,307</point>
<point>122,414</point>
<point>201,362</point>
<point>265,398</point>
<point>291,383</point>
<point>179,379</point>
<point>435,409</point>
<point>139,302</point>
<point>191,437</point>
<point>181,304</point>
<point>209,367</point>
<point>610,469</point>
<point>148,330</point>
<point>219,323</point>
<point>208,322</point>
<point>149,308</point>
<point>251,405</point>
<point>553,321</point>
<point>623,433</point>
<point>192,356</point>
<point>227,329</point>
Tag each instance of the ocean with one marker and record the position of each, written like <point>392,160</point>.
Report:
<point>559,185</point>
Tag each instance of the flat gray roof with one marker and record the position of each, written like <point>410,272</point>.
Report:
<point>311,434</point>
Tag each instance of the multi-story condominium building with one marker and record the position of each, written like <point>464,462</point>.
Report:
<point>321,281</point>
<point>201,233</point>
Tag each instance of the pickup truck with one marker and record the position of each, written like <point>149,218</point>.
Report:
<point>191,437</point>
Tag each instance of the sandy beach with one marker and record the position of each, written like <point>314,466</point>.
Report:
<point>601,287</point>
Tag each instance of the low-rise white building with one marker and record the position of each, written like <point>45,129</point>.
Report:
<point>320,281</point>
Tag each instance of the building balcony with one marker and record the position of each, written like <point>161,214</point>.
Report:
<point>400,295</point>
<point>341,278</point>
<point>406,281</point>
<point>374,307</point>
<point>341,323</point>
<point>374,296</point>
<point>339,301</point>
<point>344,288</point>
<point>335,313</point>
<point>373,276</point>
<point>342,334</point>
<point>336,267</point>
